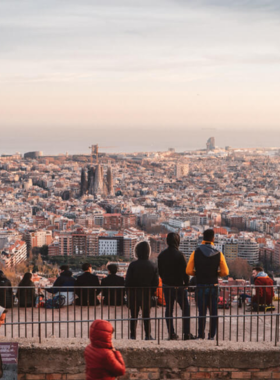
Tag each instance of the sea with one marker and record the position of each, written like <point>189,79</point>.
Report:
<point>77,140</point>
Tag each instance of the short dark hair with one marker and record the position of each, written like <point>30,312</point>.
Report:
<point>112,268</point>
<point>142,250</point>
<point>86,266</point>
<point>258,269</point>
<point>173,239</point>
<point>64,267</point>
<point>208,235</point>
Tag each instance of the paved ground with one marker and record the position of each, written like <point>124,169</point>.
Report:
<point>75,322</point>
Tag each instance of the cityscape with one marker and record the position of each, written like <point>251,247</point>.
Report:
<point>101,204</point>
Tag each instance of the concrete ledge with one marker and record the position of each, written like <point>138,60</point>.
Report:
<point>63,359</point>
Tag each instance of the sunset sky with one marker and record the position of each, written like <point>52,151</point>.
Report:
<point>143,63</point>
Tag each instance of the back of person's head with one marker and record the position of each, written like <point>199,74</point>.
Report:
<point>64,267</point>
<point>143,250</point>
<point>173,240</point>
<point>1,273</point>
<point>208,235</point>
<point>26,280</point>
<point>86,267</point>
<point>112,268</point>
<point>258,269</point>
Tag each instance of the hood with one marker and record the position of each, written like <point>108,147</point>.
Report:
<point>173,240</point>
<point>208,250</point>
<point>261,274</point>
<point>100,334</point>
<point>66,273</point>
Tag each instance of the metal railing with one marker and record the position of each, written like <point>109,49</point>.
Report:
<point>136,313</point>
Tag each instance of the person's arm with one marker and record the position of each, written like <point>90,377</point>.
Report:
<point>97,283</point>
<point>160,266</point>
<point>54,290</point>
<point>155,281</point>
<point>224,271</point>
<point>190,267</point>
<point>183,265</point>
<point>114,363</point>
<point>129,277</point>
<point>104,290</point>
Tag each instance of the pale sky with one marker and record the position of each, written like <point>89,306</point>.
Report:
<point>150,63</point>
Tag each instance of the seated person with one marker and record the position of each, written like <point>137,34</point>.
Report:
<point>6,293</point>
<point>115,296</point>
<point>87,296</point>
<point>64,285</point>
<point>264,295</point>
<point>26,296</point>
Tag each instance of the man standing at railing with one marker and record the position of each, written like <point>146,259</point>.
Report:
<point>207,264</point>
<point>172,270</point>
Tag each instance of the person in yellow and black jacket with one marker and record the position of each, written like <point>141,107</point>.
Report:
<point>207,264</point>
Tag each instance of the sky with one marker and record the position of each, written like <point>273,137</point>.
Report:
<point>139,63</point>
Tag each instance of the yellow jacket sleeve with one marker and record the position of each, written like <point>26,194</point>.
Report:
<point>223,266</point>
<point>190,267</point>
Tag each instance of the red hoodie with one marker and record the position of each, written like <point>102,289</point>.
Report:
<point>264,295</point>
<point>102,362</point>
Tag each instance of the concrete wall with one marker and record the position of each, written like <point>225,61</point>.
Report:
<point>57,359</point>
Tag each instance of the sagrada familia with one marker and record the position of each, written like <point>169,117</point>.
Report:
<point>94,183</point>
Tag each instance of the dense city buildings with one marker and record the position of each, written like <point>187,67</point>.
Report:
<point>78,207</point>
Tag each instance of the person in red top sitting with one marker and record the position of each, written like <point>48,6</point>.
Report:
<point>103,362</point>
<point>264,295</point>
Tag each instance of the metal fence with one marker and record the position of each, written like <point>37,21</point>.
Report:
<point>137,313</point>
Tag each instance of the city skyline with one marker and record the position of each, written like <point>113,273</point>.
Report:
<point>147,64</point>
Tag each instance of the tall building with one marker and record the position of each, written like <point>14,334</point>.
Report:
<point>91,180</point>
<point>210,145</point>
<point>248,249</point>
<point>188,244</point>
<point>110,181</point>
<point>98,180</point>
<point>83,188</point>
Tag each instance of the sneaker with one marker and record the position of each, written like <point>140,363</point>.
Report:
<point>149,338</point>
<point>132,337</point>
<point>173,337</point>
<point>189,337</point>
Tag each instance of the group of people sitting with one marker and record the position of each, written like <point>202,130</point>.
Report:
<point>142,281</point>
<point>83,291</point>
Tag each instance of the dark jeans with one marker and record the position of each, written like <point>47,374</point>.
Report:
<point>145,314</point>
<point>207,298</point>
<point>179,295</point>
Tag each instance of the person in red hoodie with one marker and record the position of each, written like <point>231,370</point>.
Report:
<point>264,294</point>
<point>103,362</point>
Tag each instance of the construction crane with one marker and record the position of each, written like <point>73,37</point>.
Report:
<point>94,151</point>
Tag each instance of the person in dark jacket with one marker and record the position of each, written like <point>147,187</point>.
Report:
<point>264,289</point>
<point>6,292</point>
<point>102,360</point>
<point>87,296</point>
<point>172,269</point>
<point>64,285</point>
<point>113,296</point>
<point>142,282</point>
<point>207,264</point>
<point>26,296</point>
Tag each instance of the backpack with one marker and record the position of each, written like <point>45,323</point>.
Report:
<point>56,302</point>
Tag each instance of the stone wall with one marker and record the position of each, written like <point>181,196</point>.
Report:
<point>57,359</point>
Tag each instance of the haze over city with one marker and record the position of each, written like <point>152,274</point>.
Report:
<point>141,64</point>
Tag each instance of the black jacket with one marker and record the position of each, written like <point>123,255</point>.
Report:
<point>26,297</point>
<point>172,267</point>
<point>6,295</point>
<point>87,296</point>
<point>141,274</point>
<point>63,283</point>
<point>116,295</point>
